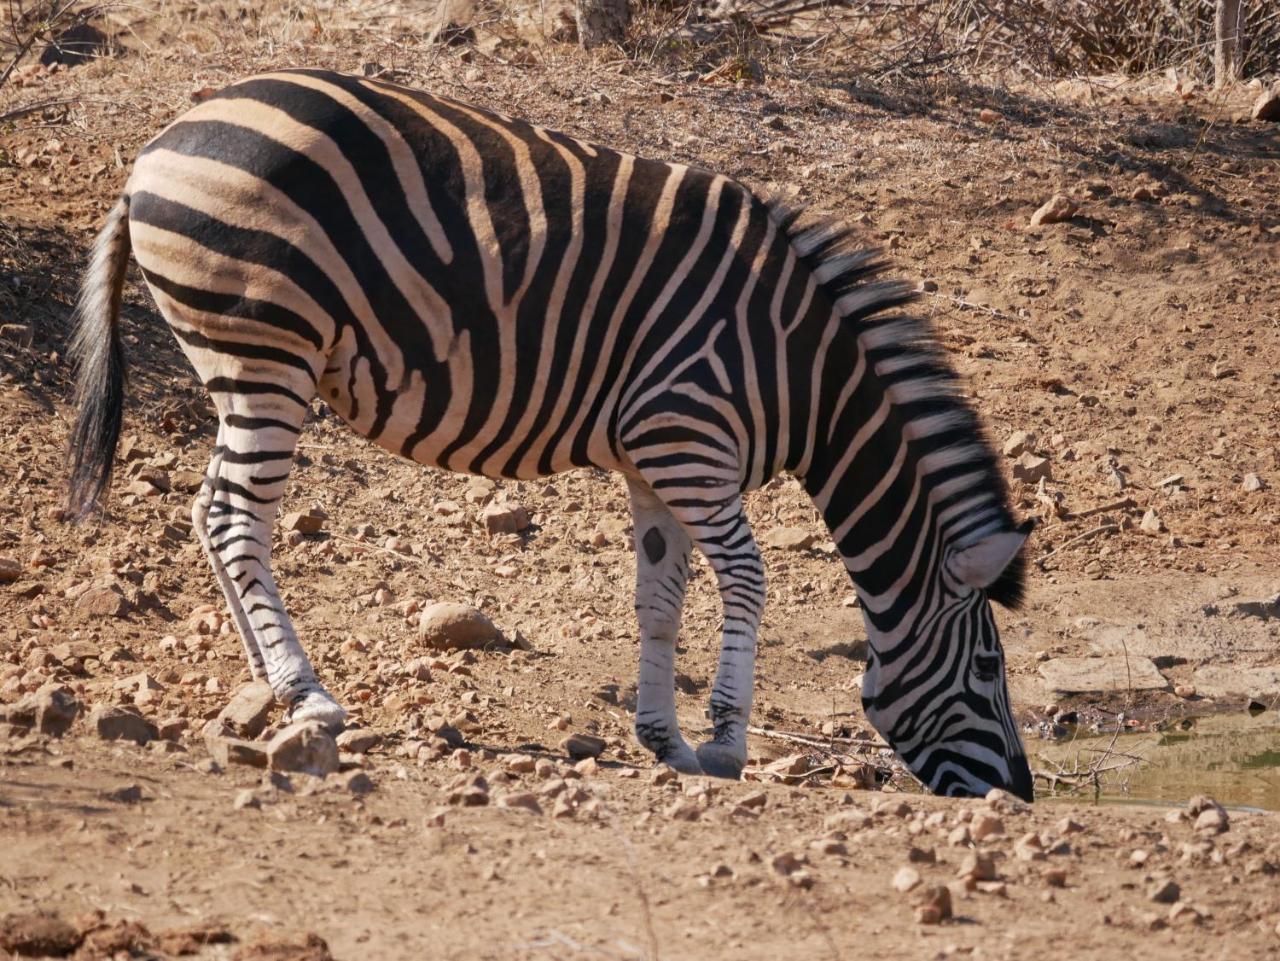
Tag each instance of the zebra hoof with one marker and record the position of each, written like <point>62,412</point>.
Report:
<point>317,707</point>
<point>682,761</point>
<point>720,760</point>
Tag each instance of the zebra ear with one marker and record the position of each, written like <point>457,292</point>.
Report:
<point>980,565</point>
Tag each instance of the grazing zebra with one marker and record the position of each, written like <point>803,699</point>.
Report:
<point>484,295</point>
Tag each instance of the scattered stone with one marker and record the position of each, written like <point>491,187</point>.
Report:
<point>1075,675</point>
<point>520,800</point>
<point>984,826</point>
<point>10,570</point>
<point>121,723</point>
<point>355,782</point>
<point>921,855</point>
<point>1166,892</point>
<point>472,791</point>
<point>987,115</point>
<point>1055,877</point>
<point>790,539</point>
<point>1184,690</point>
<point>103,602</point>
<point>1055,210</point>
<point>1267,107</point>
<point>449,626</point>
<point>755,800</point>
<point>1031,468</point>
<point>1253,484</point>
<point>226,751</point>
<point>1212,820</point>
<point>787,863</point>
<point>906,879</point>
<point>1222,680</point>
<point>311,522</point>
<point>38,935</point>
<point>250,707</point>
<point>1151,522</point>
<point>303,747</point>
<point>504,518</point>
<point>358,740</point>
<point>978,866</point>
<point>933,905</point>
<point>683,809</point>
<point>1019,443</point>
<point>50,710</point>
<point>579,746</point>
<point>248,798</point>
<point>127,794</point>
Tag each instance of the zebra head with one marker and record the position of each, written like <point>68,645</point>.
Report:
<point>935,688</point>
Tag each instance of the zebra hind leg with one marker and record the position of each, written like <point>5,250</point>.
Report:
<point>662,568</point>
<point>200,523</point>
<point>257,436</point>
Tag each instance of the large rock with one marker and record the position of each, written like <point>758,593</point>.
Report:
<point>50,710</point>
<point>304,747</point>
<point>580,746</point>
<point>113,723</point>
<point>449,626</point>
<point>1223,680</point>
<point>103,602</point>
<point>38,935</point>
<point>504,518</point>
<point>1097,674</point>
<point>1267,106</point>
<point>1056,209</point>
<point>247,712</point>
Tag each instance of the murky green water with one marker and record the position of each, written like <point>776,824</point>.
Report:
<point>1233,758</point>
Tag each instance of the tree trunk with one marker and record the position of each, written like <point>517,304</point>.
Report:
<point>602,21</point>
<point>1228,51</point>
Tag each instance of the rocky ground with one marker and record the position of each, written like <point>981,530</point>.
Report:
<point>489,801</point>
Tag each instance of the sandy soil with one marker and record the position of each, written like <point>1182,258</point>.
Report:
<point>1137,342</point>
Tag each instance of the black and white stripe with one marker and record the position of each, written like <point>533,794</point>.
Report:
<point>484,295</point>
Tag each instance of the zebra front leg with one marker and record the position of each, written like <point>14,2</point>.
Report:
<point>662,568</point>
<point>259,433</point>
<point>723,535</point>
<point>200,523</point>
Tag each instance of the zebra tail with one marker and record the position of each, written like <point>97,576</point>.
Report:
<point>95,349</point>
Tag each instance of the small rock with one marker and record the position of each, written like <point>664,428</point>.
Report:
<point>121,723</point>
<point>1267,107</point>
<point>786,863</point>
<point>38,935</point>
<point>790,539</point>
<point>355,782</point>
<point>1166,892</point>
<point>985,826</point>
<point>472,791</point>
<point>310,522</point>
<point>1055,877</point>
<point>1056,209</point>
<point>303,747</point>
<point>520,800</point>
<point>1019,443</point>
<point>248,798</point>
<point>756,799</point>
<point>683,809</point>
<point>50,710</point>
<point>933,905</point>
<point>103,602</point>
<point>987,115</point>
<point>358,740</point>
<point>504,518</point>
<point>1031,469</point>
<point>226,751</point>
<point>247,712</point>
<point>1184,690</point>
<point>1151,523</point>
<point>1212,820</point>
<point>906,879</point>
<point>978,866</point>
<point>10,570</point>
<point>1253,484</point>
<point>128,794</point>
<point>449,626</point>
<point>579,746</point>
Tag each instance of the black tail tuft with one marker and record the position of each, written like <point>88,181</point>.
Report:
<point>100,362</point>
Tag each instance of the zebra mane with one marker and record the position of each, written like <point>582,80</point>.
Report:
<point>909,357</point>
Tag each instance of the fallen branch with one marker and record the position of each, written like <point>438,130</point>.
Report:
<point>1125,503</point>
<point>821,744</point>
<point>1079,538</point>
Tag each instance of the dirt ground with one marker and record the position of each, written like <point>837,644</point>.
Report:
<point>1137,342</point>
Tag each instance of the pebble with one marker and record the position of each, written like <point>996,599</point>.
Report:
<point>787,863</point>
<point>520,800</point>
<point>933,905</point>
<point>1031,468</point>
<point>50,710</point>
<point>355,782</point>
<point>1151,523</point>
<point>978,866</point>
<point>358,740</point>
<point>985,826</point>
<point>103,602</point>
<point>248,798</point>
<point>121,724</point>
<point>790,539</point>
<point>1019,442</point>
<point>38,935</point>
<point>1267,107</point>
<point>303,747</point>
<point>1184,690</point>
<point>906,879</point>
<point>247,712</point>
<point>470,791</point>
<point>504,518</point>
<point>10,570</point>
<point>311,522</point>
<point>1165,892</point>
<point>1252,484</point>
<point>1055,877</point>
<point>449,626</point>
<point>1209,815</point>
<point>580,746</point>
<point>1056,209</point>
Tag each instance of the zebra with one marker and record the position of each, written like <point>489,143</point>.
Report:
<point>483,295</point>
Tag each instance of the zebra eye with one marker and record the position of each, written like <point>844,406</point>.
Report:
<point>986,667</point>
